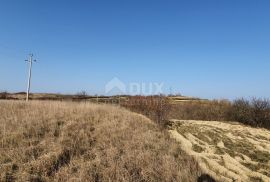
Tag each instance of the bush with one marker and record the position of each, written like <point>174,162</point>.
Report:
<point>82,95</point>
<point>241,111</point>
<point>3,95</point>
<point>255,112</point>
<point>155,107</point>
<point>201,110</point>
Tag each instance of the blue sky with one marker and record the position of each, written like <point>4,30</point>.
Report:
<point>209,49</point>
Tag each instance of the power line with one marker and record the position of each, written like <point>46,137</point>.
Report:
<point>30,61</point>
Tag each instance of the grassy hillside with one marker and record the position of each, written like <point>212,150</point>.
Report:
<point>65,141</point>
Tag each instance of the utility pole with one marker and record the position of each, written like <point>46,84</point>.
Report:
<point>30,61</point>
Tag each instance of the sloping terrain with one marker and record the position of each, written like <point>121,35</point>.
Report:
<point>66,141</point>
<point>226,151</point>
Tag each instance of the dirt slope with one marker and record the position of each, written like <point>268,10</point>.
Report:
<point>227,151</point>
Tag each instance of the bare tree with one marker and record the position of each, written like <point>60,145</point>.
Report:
<point>82,94</point>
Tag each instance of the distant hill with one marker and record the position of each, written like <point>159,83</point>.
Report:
<point>84,97</point>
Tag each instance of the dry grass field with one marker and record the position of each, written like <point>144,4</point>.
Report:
<point>226,151</point>
<point>66,141</point>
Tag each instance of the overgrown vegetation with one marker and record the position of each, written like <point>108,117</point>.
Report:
<point>155,107</point>
<point>82,95</point>
<point>3,95</point>
<point>254,112</point>
<point>201,110</point>
<point>67,141</point>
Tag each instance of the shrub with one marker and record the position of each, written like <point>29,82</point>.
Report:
<point>82,95</point>
<point>261,111</point>
<point>201,110</point>
<point>3,95</point>
<point>241,111</point>
<point>155,107</point>
<point>254,112</point>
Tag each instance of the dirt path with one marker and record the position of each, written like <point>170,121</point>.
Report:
<point>227,151</point>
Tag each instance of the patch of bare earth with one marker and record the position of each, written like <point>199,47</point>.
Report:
<point>226,151</point>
